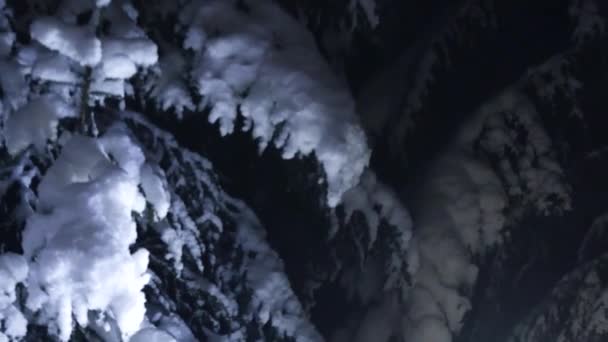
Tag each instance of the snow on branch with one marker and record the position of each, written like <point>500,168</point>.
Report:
<point>81,45</point>
<point>583,319</point>
<point>460,214</point>
<point>188,182</point>
<point>530,172</point>
<point>35,123</point>
<point>260,63</point>
<point>13,270</point>
<point>201,216</point>
<point>112,56</point>
<point>273,298</point>
<point>501,160</point>
<point>80,237</point>
<point>77,264</point>
<point>389,235</point>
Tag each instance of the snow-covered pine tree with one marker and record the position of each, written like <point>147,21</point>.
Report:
<point>117,232</point>
<point>509,144</point>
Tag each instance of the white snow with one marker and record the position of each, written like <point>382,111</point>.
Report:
<point>53,67</point>
<point>195,200</point>
<point>141,51</point>
<point>155,188</point>
<point>458,214</point>
<point>382,209</point>
<point>266,64</point>
<point>35,123</point>
<point>115,55</point>
<point>272,295</point>
<point>7,39</point>
<point>13,270</point>
<point>107,87</point>
<point>78,242</point>
<point>461,204</point>
<point>122,56</point>
<point>377,202</point>
<point>102,3</point>
<point>80,266</point>
<point>77,43</point>
<point>13,86</point>
<point>118,66</point>
<point>14,324</point>
<point>169,89</point>
<point>192,175</point>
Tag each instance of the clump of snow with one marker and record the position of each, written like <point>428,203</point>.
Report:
<point>13,270</point>
<point>118,66</point>
<point>72,41</point>
<point>35,123</point>
<point>6,43</point>
<point>125,50</point>
<point>14,324</point>
<point>122,56</point>
<point>112,56</point>
<point>102,3</point>
<point>140,51</point>
<point>175,241</point>
<point>155,188</point>
<point>78,242</point>
<point>54,68</point>
<point>262,62</point>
